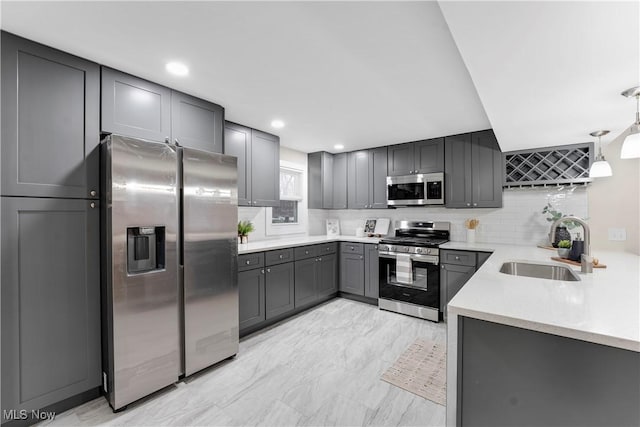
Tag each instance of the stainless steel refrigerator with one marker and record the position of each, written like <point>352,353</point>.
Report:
<point>170,295</point>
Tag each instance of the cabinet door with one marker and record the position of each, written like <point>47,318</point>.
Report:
<point>352,273</point>
<point>265,165</point>
<point>340,181</point>
<point>358,179</point>
<point>279,289</point>
<point>429,155</point>
<point>251,291</point>
<point>50,300</point>
<point>50,122</point>
<point>401,159</point>
<point>452,278</point>
<point>487,167</point>
<point>305,276</point>
<point>328,275</point>
<point>237,142</point>
<point>327,181</point>
<point>315,189</point>
<point>135,107</point>
<point>196,123</point>
<point>378,178</point>
<point>457,171</point>
<point>371,271</point>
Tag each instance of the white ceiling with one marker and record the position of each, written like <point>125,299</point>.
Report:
<point>366,74</point>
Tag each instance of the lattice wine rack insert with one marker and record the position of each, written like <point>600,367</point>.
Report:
<point>566,164</point>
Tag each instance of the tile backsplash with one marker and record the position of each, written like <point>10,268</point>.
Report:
<point>519,221</point>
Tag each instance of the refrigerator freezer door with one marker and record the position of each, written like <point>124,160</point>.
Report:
<point>141,311</point>
<point>210,218</point>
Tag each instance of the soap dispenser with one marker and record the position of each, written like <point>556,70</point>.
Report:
<point>577,248</point>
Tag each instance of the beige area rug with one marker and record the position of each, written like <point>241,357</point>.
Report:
<point>422,370</point>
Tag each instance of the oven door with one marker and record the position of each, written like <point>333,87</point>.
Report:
<point>424,289</point>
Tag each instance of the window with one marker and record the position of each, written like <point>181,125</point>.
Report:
<point>290,194</point>
<point>291,216</point>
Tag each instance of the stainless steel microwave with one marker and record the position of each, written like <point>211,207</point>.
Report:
<point>415,190</point>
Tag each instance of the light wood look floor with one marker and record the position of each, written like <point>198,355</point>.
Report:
<point>321,368</point>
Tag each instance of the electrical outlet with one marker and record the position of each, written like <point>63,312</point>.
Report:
<point>618,234</point>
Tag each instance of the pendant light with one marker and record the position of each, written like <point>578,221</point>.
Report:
<point>631,144</point>
<point>600,167</point>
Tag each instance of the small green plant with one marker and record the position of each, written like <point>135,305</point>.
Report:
<point>564,244</point>
<point>554,215</point>
<point>244,228</point>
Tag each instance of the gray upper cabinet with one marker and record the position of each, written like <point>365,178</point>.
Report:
<point>135,107</point>
<point>237,142</point>
<point>473,171</point>
<point>196,123</point>
<point>50,111</point>
<point>50,300</point>
<point>425,156</point>
<point>258,156</point>
<point>367,179</point>
<point>327,180</point>
<point>139,108</point>
<point>340,181</point>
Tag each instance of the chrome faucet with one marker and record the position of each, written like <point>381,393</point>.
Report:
<point>586,261</point>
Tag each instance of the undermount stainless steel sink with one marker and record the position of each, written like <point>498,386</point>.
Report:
<point>540,271</point>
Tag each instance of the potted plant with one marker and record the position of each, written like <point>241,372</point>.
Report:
<point>244,228</point>
<point>564,247</point>
<point>562,231</point>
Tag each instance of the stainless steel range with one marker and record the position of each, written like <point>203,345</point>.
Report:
<point>410,268</point>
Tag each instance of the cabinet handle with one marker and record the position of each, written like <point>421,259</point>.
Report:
<point>360,256</point>
<point>443,266</point>
<point>457,258</point>
<point>475,204</point>
<point>176,142</point>
<point>166,139</point>
<point>328,249</point>
<point>268,270</point>
<point>248,262</point>
<point>262,271</point>
<point>306,252</point>
<point>280,257</point>
<point>93,192</point>
<point>319,259</point>
<point>468,204</point>
<point>92,204</point>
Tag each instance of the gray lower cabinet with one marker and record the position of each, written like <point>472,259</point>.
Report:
<point>50,110</point>
<point>50,301</point>
<point>509,376</point>
<point>367,179</point>
<point>352,273</point>
<point>251,289</point>
<point>425,156</point>
<point>139,108</point>
<point>456,268</point>
<point>327,275</point>
<point>372,272</point>
<point>473,171</point>
<point>279,289</point>
<point>258,156</point>
<point>196,123</point>
<point>306,281</point>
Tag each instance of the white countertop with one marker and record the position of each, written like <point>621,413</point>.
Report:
<point>267,245</point>
<point>603,307</point>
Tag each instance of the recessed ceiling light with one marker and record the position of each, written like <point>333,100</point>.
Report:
<point>277,124</point>
<point>177,68</point>
<point>338,147</point>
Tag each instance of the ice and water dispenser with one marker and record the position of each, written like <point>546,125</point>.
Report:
<point>145,249</point>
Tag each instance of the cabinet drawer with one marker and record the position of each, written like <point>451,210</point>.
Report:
<point>304,252</point>
<point>351,248</point>
<point>279,256</point>
<point>458,258</point>
<point>327,248</point>
<point>249,261</point>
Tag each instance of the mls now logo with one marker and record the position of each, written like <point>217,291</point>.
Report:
<point>23,414</point>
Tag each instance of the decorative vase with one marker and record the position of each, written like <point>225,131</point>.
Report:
<point>564,252</point>
<point>561,234</point>
<point>243,239</point>
<point>471,235</point>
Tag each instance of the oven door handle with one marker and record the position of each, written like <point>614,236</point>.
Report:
<point>430,259</point>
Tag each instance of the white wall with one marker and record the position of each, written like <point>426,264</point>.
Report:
<point>519,222</point>
<point>614,202</point>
